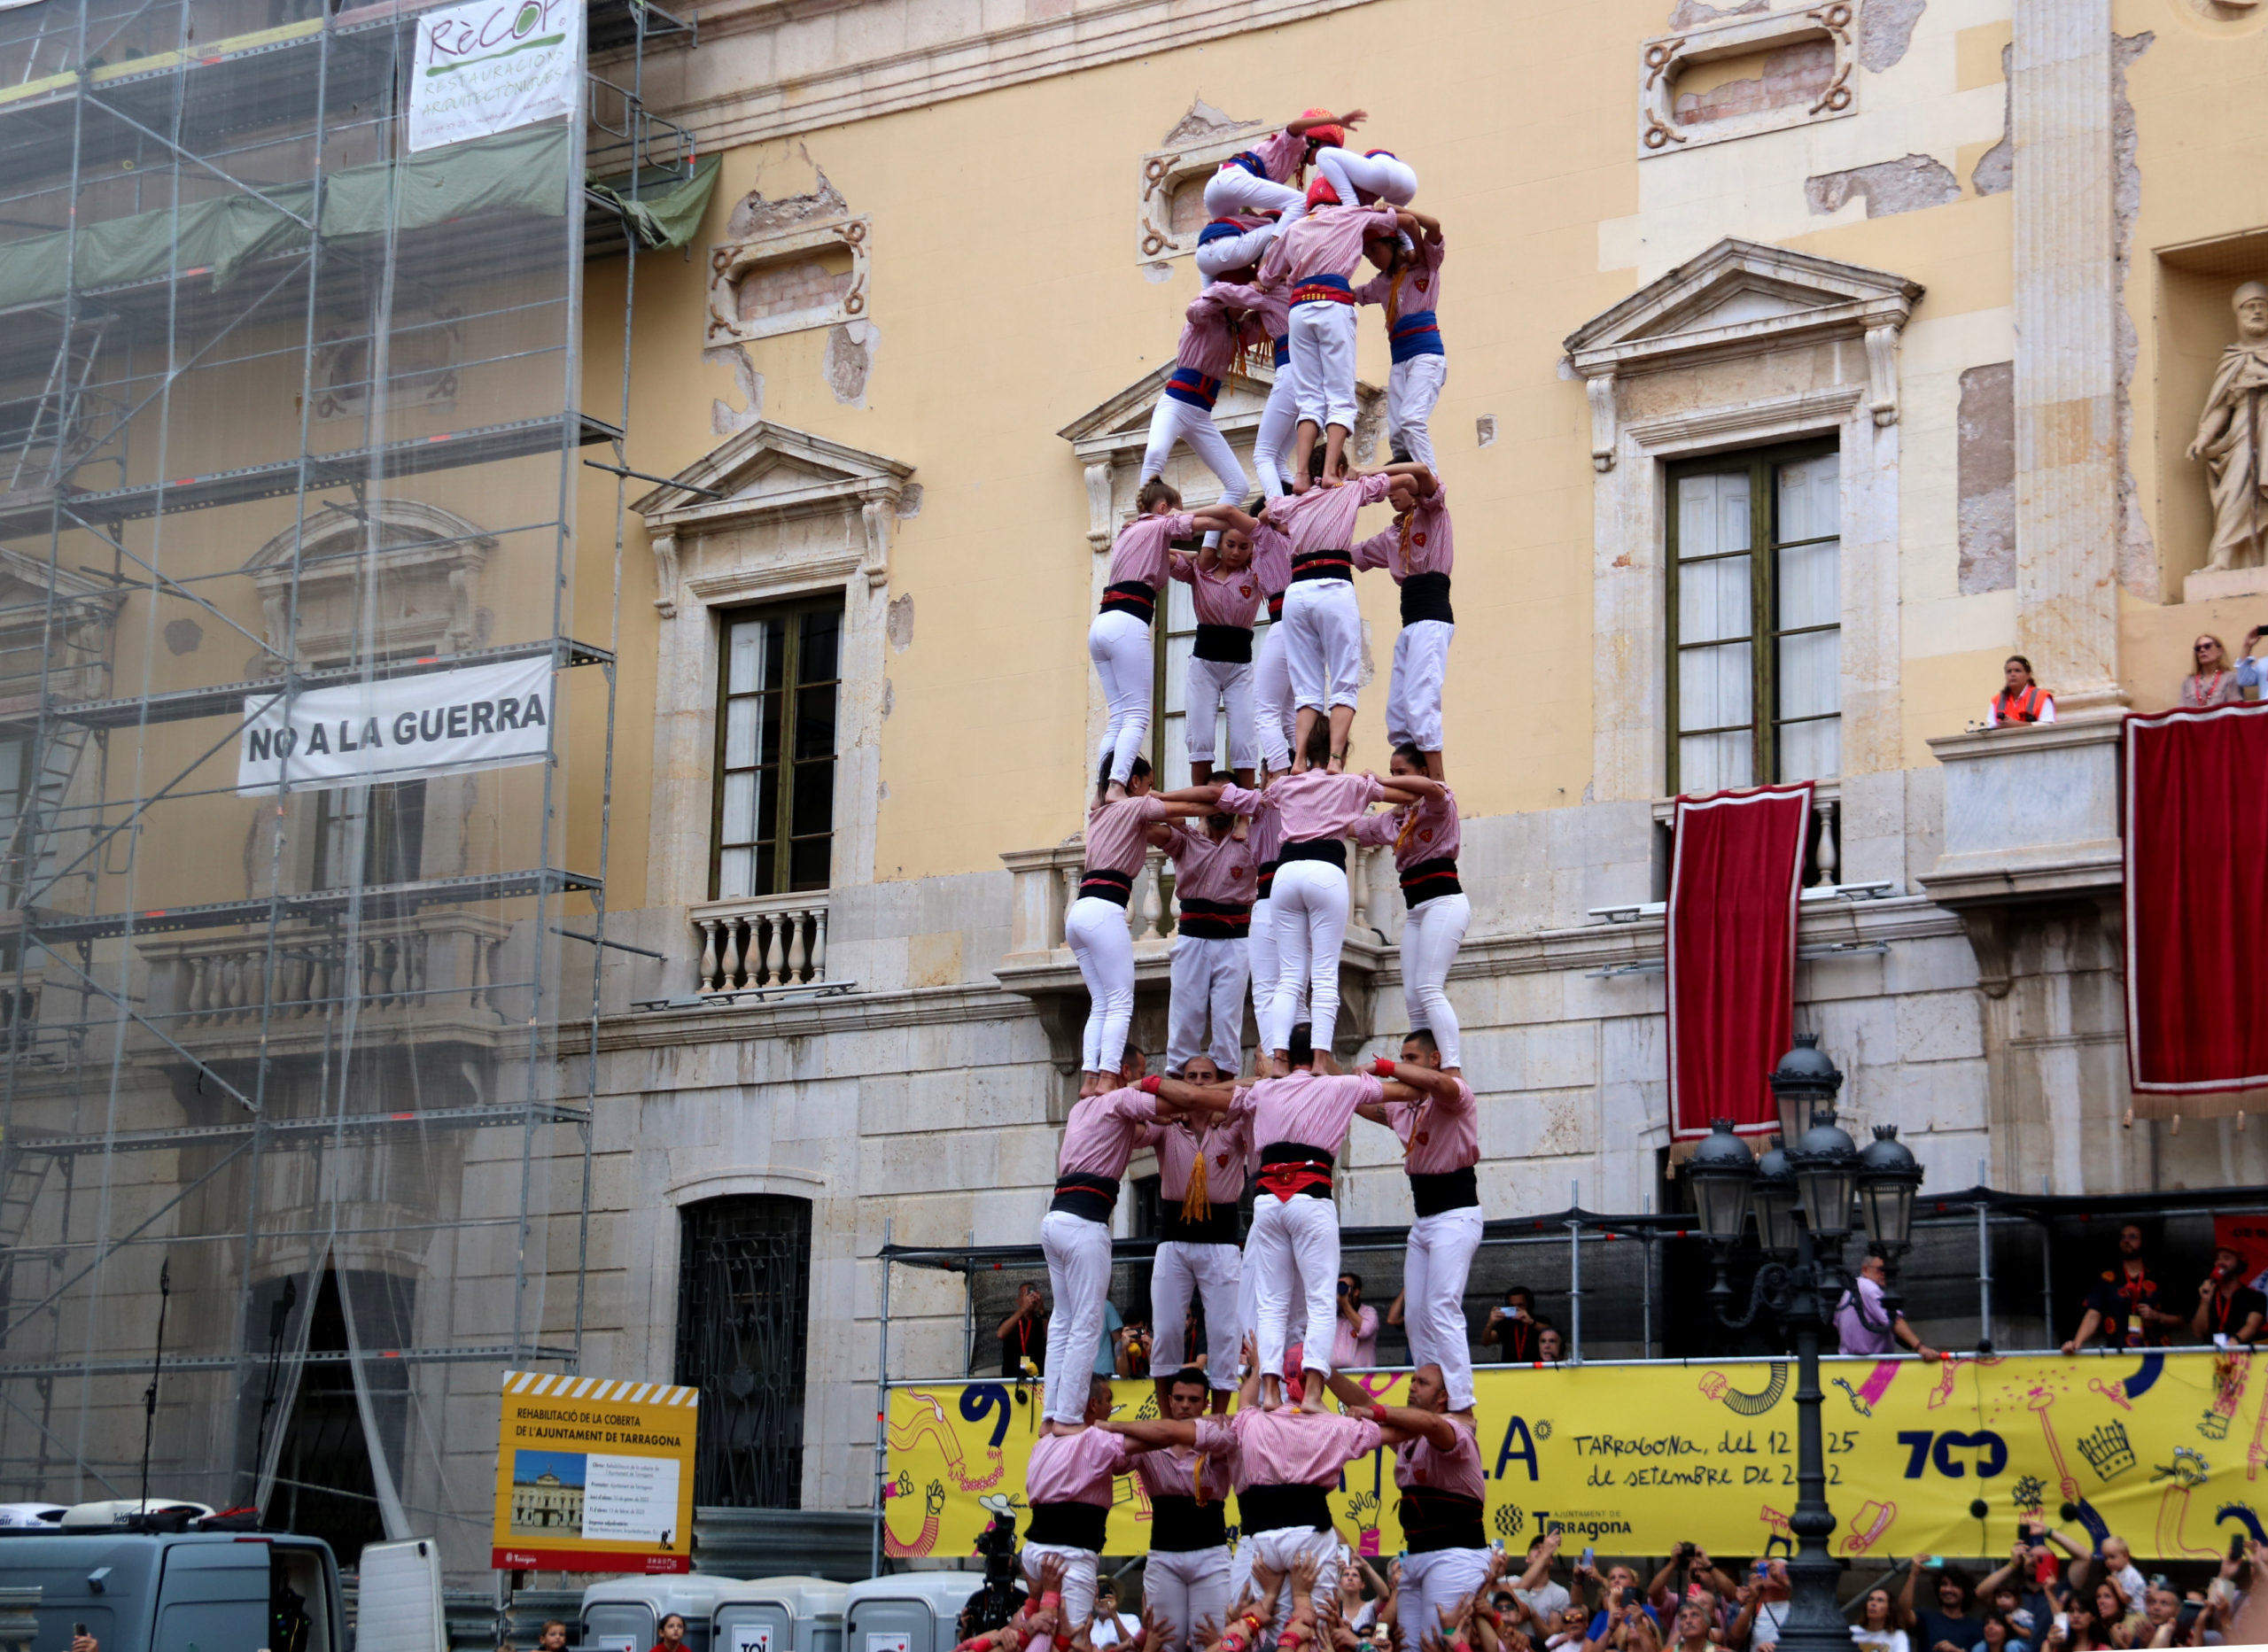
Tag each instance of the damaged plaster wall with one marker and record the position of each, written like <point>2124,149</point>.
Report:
<point>724,418</point>
<point>851,347</point>
<point>1694,13</point>
<point>1885,29</point>
<point>1889,187</point>
<point>2138,552</point>
<point>1986,429</point>
<point>1996,168</point>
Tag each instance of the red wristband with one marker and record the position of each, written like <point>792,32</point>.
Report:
<point>1152,1083</point>
<point>1382,1066</point>
<point>1050,1600</point>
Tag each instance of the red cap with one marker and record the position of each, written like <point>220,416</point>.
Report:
<point>1334,135</point>
<point>1382,1066</point>
<point>1321,194</point>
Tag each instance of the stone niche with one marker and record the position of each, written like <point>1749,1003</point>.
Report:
<point>1169,208</point>
<point>2195,324</point>
<point>788,280</point>
<point>1747,75</point>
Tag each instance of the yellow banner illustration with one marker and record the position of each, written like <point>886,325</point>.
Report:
<point>2165,1449</point>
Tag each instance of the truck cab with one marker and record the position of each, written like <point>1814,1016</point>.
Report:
<point>178,1591</point>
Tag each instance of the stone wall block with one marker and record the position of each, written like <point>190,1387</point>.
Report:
<point>1938,1027</point>
<point>1633,1050</point>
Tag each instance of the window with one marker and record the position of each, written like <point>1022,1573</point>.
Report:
<point>391,819</point>
<point>1176,641</point>
<point>744,1309</point>
<point>774,827</point>
<point>1755,639</point>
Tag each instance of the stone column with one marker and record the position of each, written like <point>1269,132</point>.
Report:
<point>2066,366</point>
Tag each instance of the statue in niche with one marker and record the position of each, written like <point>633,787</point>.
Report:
<point>2232,437</point>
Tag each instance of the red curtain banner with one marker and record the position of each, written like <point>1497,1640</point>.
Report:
<point>1736,873</point>
<point>2196,899</point>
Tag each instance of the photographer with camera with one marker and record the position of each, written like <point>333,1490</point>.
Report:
<point>1689,1565</point>
<point>1354,1340</point>
<point>992,1606</point>
<point>1513,1331</point>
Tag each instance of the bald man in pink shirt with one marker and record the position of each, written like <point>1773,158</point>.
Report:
<point>1444,1490</point>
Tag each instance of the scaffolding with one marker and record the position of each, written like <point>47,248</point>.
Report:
<point>290,409</point>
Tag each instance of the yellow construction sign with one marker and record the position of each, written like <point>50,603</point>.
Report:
<point>594,1476</point>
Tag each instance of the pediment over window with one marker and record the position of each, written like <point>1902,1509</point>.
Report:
<point>1123,420</point>
<point>1739,298</point>
<point>311,581</point>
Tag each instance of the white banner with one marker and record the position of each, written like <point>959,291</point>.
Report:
<point>492,66</point>
<point>482,717</point>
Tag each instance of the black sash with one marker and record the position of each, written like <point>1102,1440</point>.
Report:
<point>1068,1525</point>
<point>1330,849</point>
<point>1137,597</point>
<point>1214,920</point>
<point>1101,882</point>
<point>1220,1227</point>
<point>1264,880</point>
<point>1178,1525</point>
<point>1427,596</point>
<point>1322,565</point>
<point>1448,1190</point>
<point>1229,645</point>
<point>1083,1195</point>
<point>1435,1520</point>
<point>1425,879</point>
<point>1282,1508</point>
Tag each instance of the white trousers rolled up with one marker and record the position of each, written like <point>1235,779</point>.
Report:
<point>1275,711</point>
<point>1413,695</point>
<point>1119,644</point>
<point>1279,418</point>
<point>1323,643</point>
<point>1432,931</point>
<point>1233,192</point>
<point>1434,1580</point>
<point>1079,1566</point>
<point>1322,352</point>
<point>1078,1273</point>
<point>1187,1587</point>
<point>1280,1550</point>
<point>1205,1013</point>
<point>1441,1247</point>
<point>1308,912</point>
<point>1292,1255</point>
<point>1209,685</point>
<point>1381,175</point>
<point>1173,421</point>
<point>1096,931</point>
<point>1215,1273</point>
<point>1267,968</point>
<point>1413,388</point>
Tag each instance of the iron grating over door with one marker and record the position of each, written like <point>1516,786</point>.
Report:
<point>743,1313</point>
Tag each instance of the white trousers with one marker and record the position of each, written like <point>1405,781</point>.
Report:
<point>1381,175</point>
<point>1267,967</point>
<point>1098,938</point>
<point>1280,1550</point>
<point>1308,912</point>
<point>1279,418</point>
<point>1078,1583</point>
<point>1175,421</point>
<point>1215,1272</point>
<point>1292,1252</point>
<point>1432,931</point>
<point>1433,1296</point>
<point>1119,644</point>
<point>1437,1578</point>
<point>1413,695</point>
<point>1274,711</point>
<point>1323,353</point>
<point>1323,642</point>
<point>1188,1587</point>
<point>1219,256</point>
<point>1205,1012</point>
<point>1413,389</point>
<point>1233,192</point>
<point>1209,685</point>
<point>1078,1275</point>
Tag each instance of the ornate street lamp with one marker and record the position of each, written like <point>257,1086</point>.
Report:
<point>1802,1193</point>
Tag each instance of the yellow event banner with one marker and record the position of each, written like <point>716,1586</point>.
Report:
<point>2165,1449</point>
<point>594,1476</point>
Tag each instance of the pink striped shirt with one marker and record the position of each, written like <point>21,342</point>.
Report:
<point>1267,304</point>
<point>1440,1136</point>
<point>1103,1131</point>
<point>1309,806</point>
<point>1209,330</point>
<point>1281,153</point>
<point>1321,518</point>
<point>1141,552</point>
<point>1435,836</point>
<point>1291,1447</point>
<point>1220,598</point>
<point>1312,1109</point>
<point>1274,287</point>
<point>1118,835</point>
<point>1205,868</point>
<point>1421,1463</point>
<point>1170,1470</point>
<point>1415,289</point>
<point>1224,1141</point>
<point>1329,240</point>
<point>1077,1468</point>
<point>1432,548</point>
<point>1271,559</point>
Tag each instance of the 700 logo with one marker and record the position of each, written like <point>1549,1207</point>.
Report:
<point>1935,1451</point>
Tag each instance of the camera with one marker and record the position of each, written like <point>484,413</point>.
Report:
<point>1685,1551</point>
<point>1000,1599</point>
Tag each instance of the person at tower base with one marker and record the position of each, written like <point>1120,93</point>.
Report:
<point>1188,1579</point>
<point>1432,1112</point>
<point>1068,1483</point>
<point>1201,1181</point>
<point>1436,1464</point>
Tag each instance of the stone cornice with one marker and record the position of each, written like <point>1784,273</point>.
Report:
<point>857,1012</point>
<point>774,68</point>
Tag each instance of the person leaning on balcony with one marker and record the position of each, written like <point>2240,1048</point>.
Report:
<point>2021,700</point>
<point>2212,683</point>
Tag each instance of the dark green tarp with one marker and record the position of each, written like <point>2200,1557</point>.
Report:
<point>667,211</point>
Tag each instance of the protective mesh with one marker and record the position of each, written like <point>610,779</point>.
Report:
<point>278,397</point>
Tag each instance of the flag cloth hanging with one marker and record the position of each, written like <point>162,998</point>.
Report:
<point>1735,874</point>
<point>2196,880</point>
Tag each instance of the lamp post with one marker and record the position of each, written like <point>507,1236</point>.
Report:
<point>1801,1196</point>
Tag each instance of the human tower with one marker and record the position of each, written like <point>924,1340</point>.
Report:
<point>1262,888</point>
